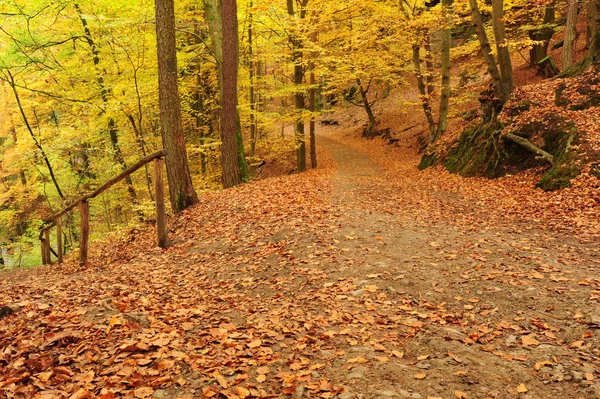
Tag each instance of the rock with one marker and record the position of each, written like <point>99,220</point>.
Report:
<point>593,320</point>
<point>357,373</point>
<point>577,376</point>
<point>423,365</point>
<point>357,293</point>
<point>315,374</point>
<point>346,395</point>
<point>588,369</point>
<point>454,334</point>
<point>403,393</point>
<point>511,340</point>
<point>360,283</point>
<point>387,394</point>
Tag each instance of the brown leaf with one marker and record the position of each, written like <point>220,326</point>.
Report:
<point>521,388</point>
<point>143,392</point>
<point>255,344</point>
<point>221,380</point>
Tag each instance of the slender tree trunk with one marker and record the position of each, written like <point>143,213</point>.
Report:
<point>539,51</point>
<point>429,64</point>
<point>423,94</point>
<point>38,144</point>
<point>113,131</point>
<point>369,130</point>
<point>12,129</point>
<point>229,116</point>
<point>592,15</point>
<point>312,92</point>
<point>312,108</point>
<point>506,71</point>
<point>297,57</point>
<point>181,191</point>
<point>215,16</point>
<point>445,96</point>
<point>251,72</point>
<point>570,33</point>
<point>492,100</point>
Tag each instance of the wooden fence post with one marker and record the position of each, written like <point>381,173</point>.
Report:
<point>84,213</point>
<point>159,198</point>
<point>59,242</point>
<point>47,247</point>
<point>44,252</point>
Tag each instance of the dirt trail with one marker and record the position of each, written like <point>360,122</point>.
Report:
<point>355,283</point>
<point>497,285</point>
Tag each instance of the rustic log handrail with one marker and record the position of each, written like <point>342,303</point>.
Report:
<point>83,203</point>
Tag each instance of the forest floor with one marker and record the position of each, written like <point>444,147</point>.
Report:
<point>362,279</point>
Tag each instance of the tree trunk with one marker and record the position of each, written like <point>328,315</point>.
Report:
<point>217,23</point>
<point>251,72</point>
<point>423,94</point>
<point>299,106</point>
<point>229,127</point>
<point>181,191</point>
<point>113,131</point>
<point>312,107</point>
<point>492,102</point>
<point>506,71</point>
<point>539,51</point>
<point>570,33</point>
<point>592,21</point>
<point>370,129</point>
<point>38,144</point>
<point>445,96</point>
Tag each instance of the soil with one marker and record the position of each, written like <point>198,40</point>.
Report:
<point>362,279</point>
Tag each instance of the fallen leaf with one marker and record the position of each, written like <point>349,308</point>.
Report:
<point>255,344</point>
<point>143,392</point>
<point>521,388</point>
<point>221,380</point>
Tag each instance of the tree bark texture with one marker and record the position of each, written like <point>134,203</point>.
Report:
<point>423,93</point>
<point>570,33</point>
<point>506,71</point>
<point>539,51</point>
<point>251,73</point>
<point>229,126</point>
<point>445,95</point>
<point>299,106</point>
<point>181,191</point>
<point>492,102</point>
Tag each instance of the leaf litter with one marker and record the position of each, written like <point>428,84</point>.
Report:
<point>262,294</point>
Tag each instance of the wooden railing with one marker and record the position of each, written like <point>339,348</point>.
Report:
<point>84,212</point>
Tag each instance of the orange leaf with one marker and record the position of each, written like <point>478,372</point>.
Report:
<point>221,380</point>
<point>255,344</point>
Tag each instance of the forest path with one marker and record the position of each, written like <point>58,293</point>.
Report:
<point>506,281</point>
<point>365,280</point>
